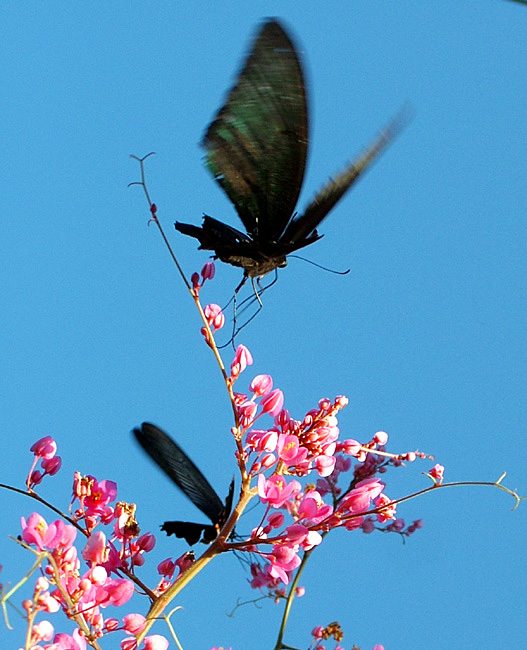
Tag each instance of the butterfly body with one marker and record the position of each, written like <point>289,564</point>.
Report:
<point>256,149</point>
<point>234,247</point>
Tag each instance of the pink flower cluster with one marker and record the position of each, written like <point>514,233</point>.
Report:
<point>274,462</point>
<point>207,273</point>
<point>82,595</point>
<point>45,451</point>
<point>297,448</point>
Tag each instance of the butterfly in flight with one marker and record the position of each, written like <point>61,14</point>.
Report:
<point>177,465</point>
<point>256,149</point>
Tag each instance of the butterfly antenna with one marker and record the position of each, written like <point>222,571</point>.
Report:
<point>319,266</point>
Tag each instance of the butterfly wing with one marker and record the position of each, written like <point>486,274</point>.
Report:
<point>178,466</point>
<point>257,144</point>
<point>302,230</point>
<point>191,533</point>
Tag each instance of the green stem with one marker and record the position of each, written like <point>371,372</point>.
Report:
<point>289,603</point>
<point>217,547</point>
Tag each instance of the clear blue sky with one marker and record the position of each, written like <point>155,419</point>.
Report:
<point>426,335</point>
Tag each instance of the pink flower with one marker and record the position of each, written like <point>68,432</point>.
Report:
<point>34,530</point>
<point>155,642</point>
<point>146,542</point>
<point>283,559</point>
<point>324,404</point>
<point>100,494</point>
<point>388,508</point>
<point>314,538</point>
<point>276,519</point>
<point>208,271</point>
<point>261,385</point>
<point>115,592</point>
<point>242,359</point>
<point>47,603</point>
<point>44,448</point>
<point>262,440</point>
<point>283,420</point>
<point>42,631</point>
<point>247,411</point>
<point>327,435</point>
<point>341,401</point>
<point>313,509</point>
<point>214,316</point>
<point>299,535</point>
<point>268,461</point>
<point>51,465</point>
<point>185,561</point>
<point>134,623</point>
<point>166,568</point>
<point>81,485</point>
<point>261,577</point>
<point>273,402</point>
<point>352,448</point>
<point>97,575</point>
<point>296,534</point>
<point>275,490</point>
<point>96,550</point>
<point>342,464</point>
<point>437,472</point>
<point>359,499</point>
<point>111,624</point>
<point>58,535</point>
<point>289,450</point>
<point>325,465</point>
<point>381,438</point>
<point>67,642</point>
<point>35,478</point>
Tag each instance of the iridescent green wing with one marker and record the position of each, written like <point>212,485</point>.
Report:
<point>257,144</point>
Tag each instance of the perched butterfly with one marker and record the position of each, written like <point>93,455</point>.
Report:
<point>178,466</point>
<point>257,148</point>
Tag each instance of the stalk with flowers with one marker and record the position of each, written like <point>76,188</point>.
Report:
<point>307,479</point>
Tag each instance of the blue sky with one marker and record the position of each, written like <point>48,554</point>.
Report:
<point>426,335</point>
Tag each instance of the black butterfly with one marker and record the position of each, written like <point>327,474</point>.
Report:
<point>256,150</point>
<point>178,466</point>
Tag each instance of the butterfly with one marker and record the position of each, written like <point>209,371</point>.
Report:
<point>177,465</point>
<point>256,149</point>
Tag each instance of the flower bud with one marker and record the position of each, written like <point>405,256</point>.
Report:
<point>273,402</point>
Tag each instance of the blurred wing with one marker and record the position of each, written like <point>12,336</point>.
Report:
<point>300,231</point>
<point>257,144</point>
<point>192,533</point>
<point>178,466</point>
